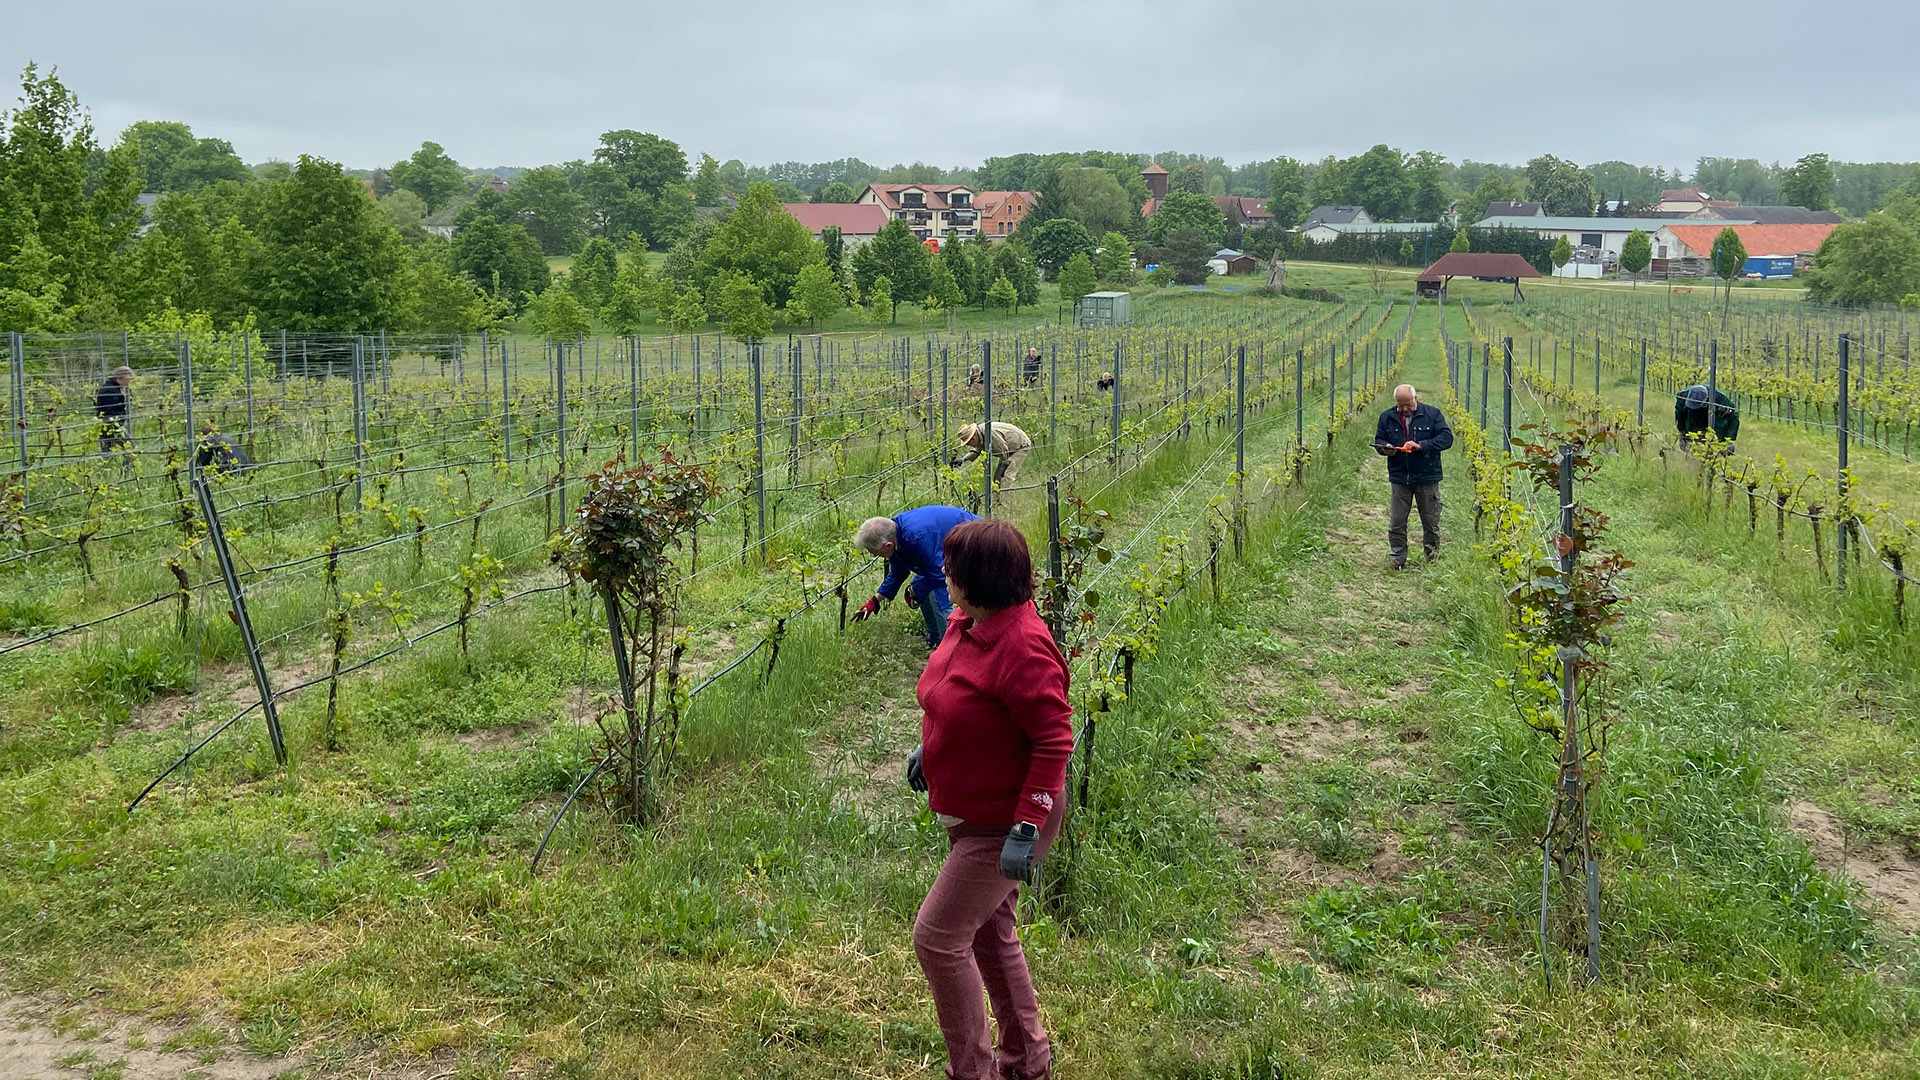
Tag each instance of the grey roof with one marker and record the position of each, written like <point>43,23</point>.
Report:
<point>1377,226</point>
<point>1771,215</point>
<point>1583,224</point>
<point>1514,209</point>
<point>1333,215</point>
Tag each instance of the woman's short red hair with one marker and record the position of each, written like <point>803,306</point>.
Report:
<point>989,560</point>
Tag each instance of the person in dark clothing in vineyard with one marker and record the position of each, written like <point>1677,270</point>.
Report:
<point>1695,418</point>
<point>112,408</point>
<point>1030,367</point>
<point>218,453</point>
<point>1411,436</point>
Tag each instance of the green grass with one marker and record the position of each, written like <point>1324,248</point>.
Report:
<point>1308,852</point>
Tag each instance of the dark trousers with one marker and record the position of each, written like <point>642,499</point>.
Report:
<point>1405,498</point>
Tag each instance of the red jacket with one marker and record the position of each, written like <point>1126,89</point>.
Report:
<point>996,726</point>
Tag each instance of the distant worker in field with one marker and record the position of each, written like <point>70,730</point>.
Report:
<point>218,453</point>
<point>1030,367</point>
<point>1010,447</point>
<point>975,377</point>
<point>1691,415</point>
<point>1106,380</point>
<point>911,544</point>
<point>112,408</point>
<point>1411,436</point>
<point>996,730</point>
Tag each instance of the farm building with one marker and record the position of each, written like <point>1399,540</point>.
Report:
<point>1478,265</point>
<point>857,222</point>
<point>1688,246</point>
<point>1766,215</point>
<point>1599,237</point>
<point>1105,309</point>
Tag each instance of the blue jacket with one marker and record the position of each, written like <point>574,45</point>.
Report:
<point>1428,428</point>
<point>917,549</point>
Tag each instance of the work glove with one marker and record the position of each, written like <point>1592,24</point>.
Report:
<point>916,779</point>
<point>1016,855</point>
<point>867,610</point>
<point>953,463</point>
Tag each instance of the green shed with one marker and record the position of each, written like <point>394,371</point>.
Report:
<point>1106,309</point>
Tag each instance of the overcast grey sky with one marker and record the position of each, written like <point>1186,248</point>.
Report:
<point>528,83</point>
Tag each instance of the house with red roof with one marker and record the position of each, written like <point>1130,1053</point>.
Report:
<point>1002,211</point>
<point>1686,242</point>
<point>857,222</point>
<point>932,211</point>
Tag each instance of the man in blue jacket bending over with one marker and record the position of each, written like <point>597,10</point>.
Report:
<point>911,543</point>
<point>1412,435</point>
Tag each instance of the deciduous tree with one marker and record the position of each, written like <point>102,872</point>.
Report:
<point>1876,260</point>
<point>1184,210</point>
<point>1636,252</point>
<point>896,254</point>
<point>743,307</point>
<point>817,295</point>
<point>1809,183</point>
<point>430,174</point>
<point>707,188</point>
<point>559,315</point>
<point>505,260</point>
<point>1057,241</point>
<point>1076,278</point>
<point>328,259</point>
<point>1114,262</point>
<point>761,241</point>
<point>1002,294</point>
<point>545,204</point>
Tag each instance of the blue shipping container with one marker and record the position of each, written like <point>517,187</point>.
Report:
<point>1768,266</point>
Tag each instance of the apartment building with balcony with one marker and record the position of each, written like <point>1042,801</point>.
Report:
<point>932,211</point>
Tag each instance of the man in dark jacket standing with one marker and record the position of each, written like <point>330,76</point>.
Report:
<point>111,408</point>
<point>1411,436</point>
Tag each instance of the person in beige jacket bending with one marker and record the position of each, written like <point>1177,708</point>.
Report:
<point>1010,447</point>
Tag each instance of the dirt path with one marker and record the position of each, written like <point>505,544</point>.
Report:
<point>40,1040</point>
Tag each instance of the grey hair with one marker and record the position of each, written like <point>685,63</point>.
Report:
<point>876,533</point>
<point>1408,387</point>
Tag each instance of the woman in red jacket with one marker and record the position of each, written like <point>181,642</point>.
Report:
<point>996,734</point>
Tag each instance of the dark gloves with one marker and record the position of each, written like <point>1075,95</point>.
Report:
<point>1016,855</point>
<point>867,610</point>
<point>916,779</point>
<point>954,463</point>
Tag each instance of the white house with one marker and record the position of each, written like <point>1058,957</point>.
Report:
<point>1324,232</point>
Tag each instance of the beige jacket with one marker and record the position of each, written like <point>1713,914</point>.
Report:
<point>1007,440</point>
